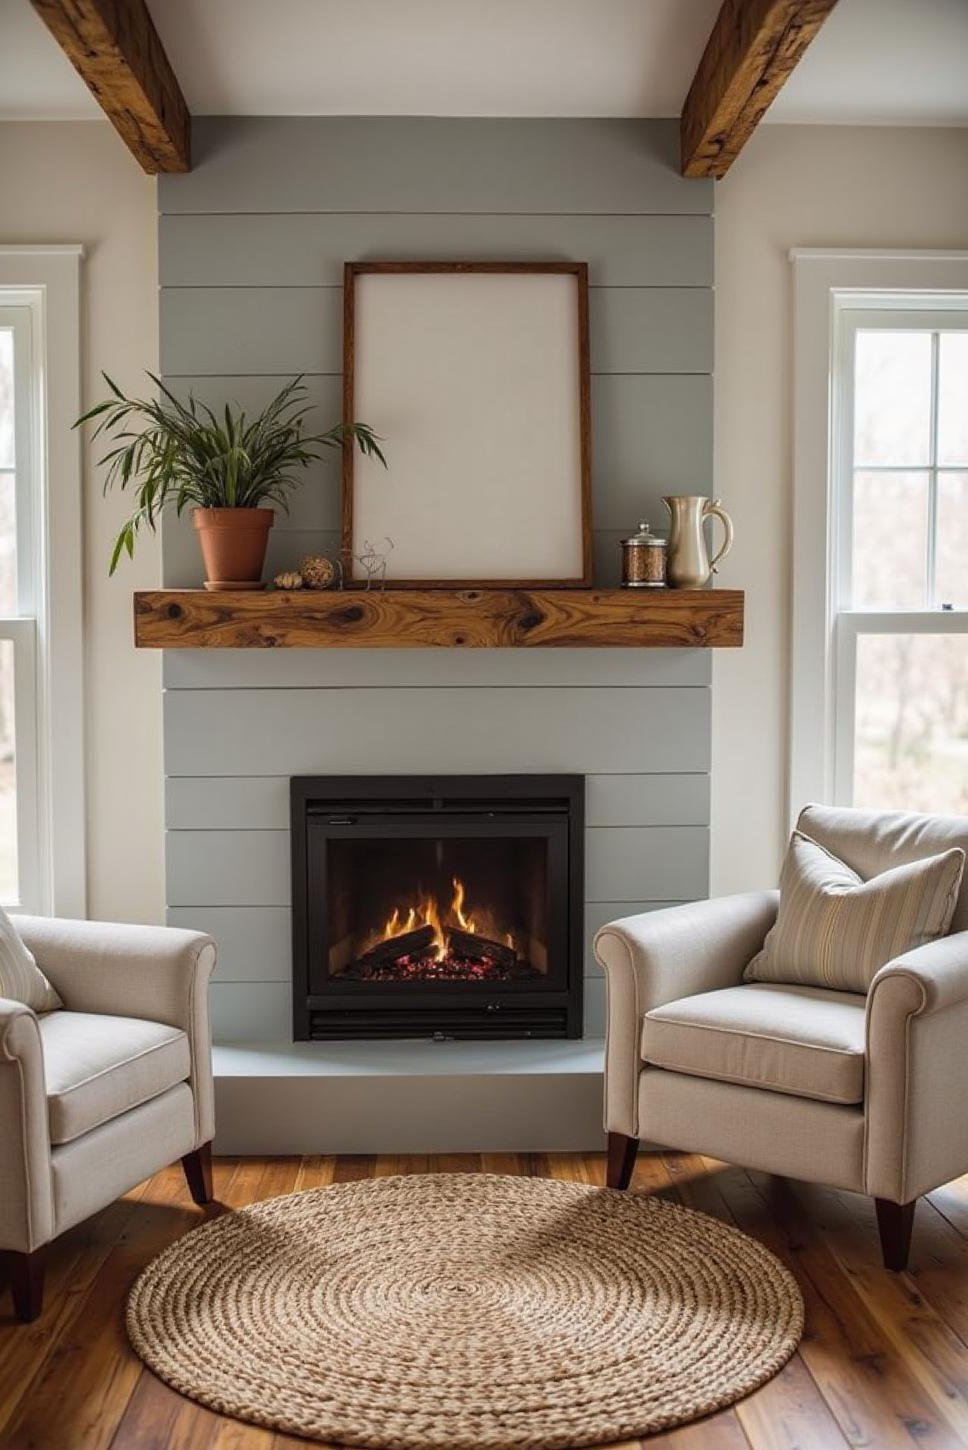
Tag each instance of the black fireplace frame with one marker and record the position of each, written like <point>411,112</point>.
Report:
<point>324,808</point>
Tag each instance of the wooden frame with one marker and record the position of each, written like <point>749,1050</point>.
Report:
<point>582,574</point>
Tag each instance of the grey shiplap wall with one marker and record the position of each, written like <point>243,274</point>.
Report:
<point>251,247</point>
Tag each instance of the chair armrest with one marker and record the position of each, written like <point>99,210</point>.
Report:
<point>917,1070</point>
<point>26,1202</point>
<point>660,956</point>
<point>159,973</point>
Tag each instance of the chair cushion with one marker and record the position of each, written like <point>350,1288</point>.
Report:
<point>834,929</point>
<point>873,841</point>
<point>21,980</point>
<point>807,1041</point>
<point>98,1067</point>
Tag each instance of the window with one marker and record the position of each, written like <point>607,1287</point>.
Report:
<point>880,620</point>
<point>41,701</point>
<point>901,489</point>
<point>19,492</point>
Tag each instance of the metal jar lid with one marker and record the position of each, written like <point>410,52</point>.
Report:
<point>645,538</point>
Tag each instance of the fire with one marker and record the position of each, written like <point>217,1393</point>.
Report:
<point>457,907</point>
<point>427,912</point>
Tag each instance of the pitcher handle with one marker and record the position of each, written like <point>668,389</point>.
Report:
<point>713,508</point>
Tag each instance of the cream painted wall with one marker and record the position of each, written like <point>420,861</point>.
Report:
<point>795,186</point>
<point>76,182</point>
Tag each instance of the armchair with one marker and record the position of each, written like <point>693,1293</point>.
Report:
<point>859,1091</point>
<point>99,1095</point>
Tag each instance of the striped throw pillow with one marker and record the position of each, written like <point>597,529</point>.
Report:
<point>834,929</point>
<point>21,980</point>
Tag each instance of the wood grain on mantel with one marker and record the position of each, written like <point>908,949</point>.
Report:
<point>418,618</point>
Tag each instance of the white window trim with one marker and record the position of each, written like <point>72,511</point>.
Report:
<point>52,275</point>
<point>826,282</point>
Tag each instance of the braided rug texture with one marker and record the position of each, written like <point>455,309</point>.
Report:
<point>465,1312</point>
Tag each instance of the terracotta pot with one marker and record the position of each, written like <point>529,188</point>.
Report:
<point>233,544</point>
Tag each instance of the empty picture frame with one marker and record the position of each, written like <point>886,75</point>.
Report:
<point>476,374</point>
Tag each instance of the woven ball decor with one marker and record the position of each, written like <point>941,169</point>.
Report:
<point>465,1312</point>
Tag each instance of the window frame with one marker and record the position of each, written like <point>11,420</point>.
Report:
<point>47,635</point>
<point>833,292</point>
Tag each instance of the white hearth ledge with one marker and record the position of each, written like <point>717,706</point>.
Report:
<point>408,1097</point>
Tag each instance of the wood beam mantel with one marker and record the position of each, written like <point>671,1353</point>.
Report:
<point>753,49</point>
<point>114,47</point>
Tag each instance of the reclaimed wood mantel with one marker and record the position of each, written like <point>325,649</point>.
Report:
<point>418,618</point>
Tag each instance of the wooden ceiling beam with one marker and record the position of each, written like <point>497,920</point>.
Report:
<point>753,50</point>
<point>114,47</point>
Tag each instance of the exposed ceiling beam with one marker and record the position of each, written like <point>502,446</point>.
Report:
<point>753,49</point>
<point>114,47</point>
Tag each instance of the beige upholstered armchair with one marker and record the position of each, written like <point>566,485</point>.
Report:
<point>97,1096</point>
<point>862,1092</point>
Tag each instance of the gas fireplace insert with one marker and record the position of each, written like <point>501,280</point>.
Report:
<point>439,907</point>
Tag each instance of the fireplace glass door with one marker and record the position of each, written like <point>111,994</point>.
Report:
<point>451,919</point>
<point>412,909</point>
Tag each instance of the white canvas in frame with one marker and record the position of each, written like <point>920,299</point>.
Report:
<point>474,379</point>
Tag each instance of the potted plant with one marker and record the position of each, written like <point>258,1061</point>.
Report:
<point>232,471</point>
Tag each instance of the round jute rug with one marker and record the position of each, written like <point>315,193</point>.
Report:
<point>465,1312</point>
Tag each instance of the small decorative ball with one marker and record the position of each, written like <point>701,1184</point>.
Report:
<point>317,571</point>
<point>288,579</point>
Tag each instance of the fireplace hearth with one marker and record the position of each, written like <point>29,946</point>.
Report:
<point>444,907</point>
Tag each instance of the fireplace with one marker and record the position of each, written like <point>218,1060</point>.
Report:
<point>444,907</point>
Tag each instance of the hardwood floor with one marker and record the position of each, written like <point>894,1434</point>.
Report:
<point>883,1362</point>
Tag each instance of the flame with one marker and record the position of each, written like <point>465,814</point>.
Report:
<point>457,907</point>
<point>427,910</point>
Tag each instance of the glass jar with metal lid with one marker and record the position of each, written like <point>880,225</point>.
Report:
<point>644,559</point>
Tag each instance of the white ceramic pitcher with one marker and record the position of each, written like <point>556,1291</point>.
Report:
<point>689,565</point>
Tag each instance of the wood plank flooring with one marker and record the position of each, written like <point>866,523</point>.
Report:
<point>883,1362</point>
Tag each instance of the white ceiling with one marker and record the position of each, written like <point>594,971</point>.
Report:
<point>901,62</point>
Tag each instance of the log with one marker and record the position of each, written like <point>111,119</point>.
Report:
<point>407,944</point>
<point>467,944</point>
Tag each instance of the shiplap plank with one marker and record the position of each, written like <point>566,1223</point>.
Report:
<point>594,1007</point>
<point>433,164</point>
<point>251,329</point>
<point>647,800</point>
<point>286,250</point>
<point>251,868</point>
<point>407,731</point>
<point>598,913</point>
<point>260,330</point>
<point>651,436</point>
<point>651,329</point>
<point>338,669</point>
<point>235,803</point>
<point>251,1011</point>
<point>642,863</point>
<point>227,868</point>
<point>254,942</point>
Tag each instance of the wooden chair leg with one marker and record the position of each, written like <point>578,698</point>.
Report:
<point>26,1275</point>
<point>198,1173</point>
<point>621,1159</point>
<point>895,1222</point>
